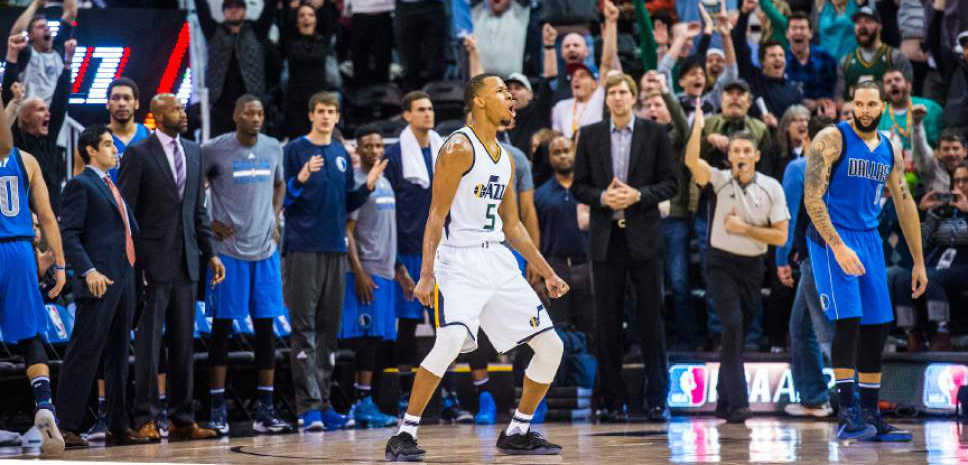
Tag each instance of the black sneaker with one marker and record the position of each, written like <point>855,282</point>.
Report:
<point>885,432</point>
<point>530,443</point>
<point>739,415</point>
<point>402,447</point>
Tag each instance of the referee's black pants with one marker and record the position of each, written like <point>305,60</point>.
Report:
<point>733,283</point>
<point>609,279</point>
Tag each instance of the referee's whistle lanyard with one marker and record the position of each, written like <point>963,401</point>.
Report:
<point>739,188</point>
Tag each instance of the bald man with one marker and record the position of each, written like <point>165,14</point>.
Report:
<point>574,49</point>
<point>161,181</point>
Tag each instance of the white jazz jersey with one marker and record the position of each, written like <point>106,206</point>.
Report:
<point>479,284</point>
<point>473,218</point>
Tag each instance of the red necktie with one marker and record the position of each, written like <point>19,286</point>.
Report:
<point>128,243</point>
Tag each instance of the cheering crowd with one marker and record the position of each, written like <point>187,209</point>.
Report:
<point>309,204</point>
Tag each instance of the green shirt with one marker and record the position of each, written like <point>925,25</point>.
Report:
<point>856,68</point>
<point>901,122</point>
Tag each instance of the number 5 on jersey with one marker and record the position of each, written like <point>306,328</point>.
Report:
<point>489,216</point>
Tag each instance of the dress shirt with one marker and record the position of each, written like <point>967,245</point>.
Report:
<point>166,140</point>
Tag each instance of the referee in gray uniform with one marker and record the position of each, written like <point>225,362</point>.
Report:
<point>750,213</point>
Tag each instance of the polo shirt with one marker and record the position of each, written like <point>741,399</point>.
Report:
<point>760,202</point>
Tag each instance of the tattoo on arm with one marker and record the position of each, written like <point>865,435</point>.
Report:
<point>823,152</point>
<point>907,211</point>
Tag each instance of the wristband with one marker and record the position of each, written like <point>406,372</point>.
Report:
<point>60,268</point>
<point>549,47</point>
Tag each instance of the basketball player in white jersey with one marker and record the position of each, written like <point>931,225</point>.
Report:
<point>471,278</point>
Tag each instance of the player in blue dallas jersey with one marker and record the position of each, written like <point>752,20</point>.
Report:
<point>848,167</point>
<point>22,313</point>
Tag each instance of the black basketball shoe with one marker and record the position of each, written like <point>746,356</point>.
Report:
<point>402,447</point>
<point>530,443</point>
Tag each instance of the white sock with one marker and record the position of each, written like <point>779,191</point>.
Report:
<point>409,425</point>
<point>520,423</point>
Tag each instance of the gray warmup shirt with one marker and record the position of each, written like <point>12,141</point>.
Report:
<point>376,228</point>
<point>241,183</point>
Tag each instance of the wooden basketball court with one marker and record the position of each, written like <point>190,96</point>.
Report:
<point>684,440</point>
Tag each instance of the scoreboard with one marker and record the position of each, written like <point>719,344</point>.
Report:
<point>150,46</point>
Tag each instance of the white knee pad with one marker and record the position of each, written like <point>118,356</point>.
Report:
<point>447,346</point>
<point>547,356</point>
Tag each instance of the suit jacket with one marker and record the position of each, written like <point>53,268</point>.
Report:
<point>652,170</point>
<point>92,229</point>
<point>174,233</point>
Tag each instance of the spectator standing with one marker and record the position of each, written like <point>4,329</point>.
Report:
<point>422,30</point>
<point>835,25</point>
<point>369,316</point>
<point>953,67</point>
<point>237,58</point>
<point>306,48</point>
<point>768,81</point>
<point>500,27</point>
<point>39,123</point>
<point>161,181</point>
<point>243,170</point>
<point>320,192</point>
<point>750,214</point>
<point>935,168</point>
<point>809,66</point>
<point>694,82</point>
<point>624,167</point>
<point>371,51</point>
<point>898,118</point>
<point>43,61</point>
<point>97,229</point>
<point>871,58</point>
<point>533,112</point>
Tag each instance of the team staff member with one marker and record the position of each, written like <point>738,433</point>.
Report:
<point>750,214</point>
<point>624,167</point>
<point>320,192</point>
<point>244,174</point>
<point>97,227</point>
<point>161,181</point>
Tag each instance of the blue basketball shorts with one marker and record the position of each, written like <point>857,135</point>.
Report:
<point>409,309</point>
<point>843,296</point>
<point>377,319</point>
<point>251,288</point>
<point>22,313</point>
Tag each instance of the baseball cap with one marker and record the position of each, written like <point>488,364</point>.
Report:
<point>866,10</point>
<point>228,3</point>
<point>572,67</point>
<point>739,83</point>
<point>520,79</point>
<point>715,51</point>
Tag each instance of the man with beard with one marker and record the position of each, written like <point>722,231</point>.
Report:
<point>901,108</point>
<point>42,62</point>
<point>808,65</point>
<point>767,81</point>
<point>38,123</point>
<point>872,58</point>
<point>935,169</point>
<point>848,167</point>
<point>660,106</point>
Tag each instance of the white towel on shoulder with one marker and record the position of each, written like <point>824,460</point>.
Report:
<point>414,168</point>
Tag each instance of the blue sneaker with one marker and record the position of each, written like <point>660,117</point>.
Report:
<point>219,421</point>
<point>539,413</point>
<point>366,414</point>
<point>885,432</point>
<point>98,431</point>
<point>487,410</point>
<point>334,420</point>
<point>851,426</point>
<point>451,412</point>
<point>266,421</point>
<point>311,421</point>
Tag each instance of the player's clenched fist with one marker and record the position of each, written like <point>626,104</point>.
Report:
<point>557,287</point>
<point>424,292</point>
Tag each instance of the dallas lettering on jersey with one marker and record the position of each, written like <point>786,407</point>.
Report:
<point>868,169</point>
<point>492,190</point>
<point>251,170</point>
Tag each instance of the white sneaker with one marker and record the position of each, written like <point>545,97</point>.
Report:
<point>800,410</point>
<point>52,442</point>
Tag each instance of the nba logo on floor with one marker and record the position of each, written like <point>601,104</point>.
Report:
<point>941,383</point>
<point>687,385</point>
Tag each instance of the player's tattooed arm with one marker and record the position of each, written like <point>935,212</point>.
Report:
<point>907,210</point>
<point>823,153</point>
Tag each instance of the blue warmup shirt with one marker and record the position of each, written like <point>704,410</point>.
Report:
<point>793,190</point>
<point>315,211</point>
<point>558,218</point>
<point>15,220</point>
<point>140,132</point>
<point>413,201</point>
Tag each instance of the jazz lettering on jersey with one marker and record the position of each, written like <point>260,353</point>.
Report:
<point>492,190</point>
<point>868,169</point>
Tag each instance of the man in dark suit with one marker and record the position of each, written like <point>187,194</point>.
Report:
<point>623,168</point>
<point>97,228</point>
<point>161,180</point>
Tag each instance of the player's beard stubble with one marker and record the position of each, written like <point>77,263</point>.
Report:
<point>875,122</point>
